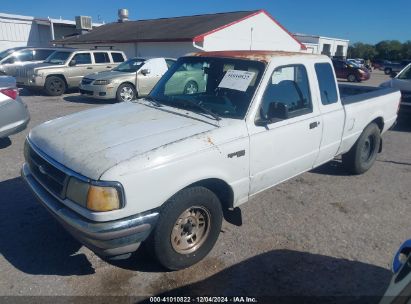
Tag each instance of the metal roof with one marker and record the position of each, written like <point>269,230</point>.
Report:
<point>164,29</point>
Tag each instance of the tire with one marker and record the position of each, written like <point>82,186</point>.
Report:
<point>178,241</point>
<point>55,86</point>
<point>126,92</point>
<point>387,71</point>
<point>352,78</point>
<point>191,87</point>
<point>362,155</point>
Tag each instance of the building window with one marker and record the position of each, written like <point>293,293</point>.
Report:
<point>326,49</point>
<point>340,51</point>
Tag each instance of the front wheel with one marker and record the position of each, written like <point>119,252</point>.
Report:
<point>364,153</point>
<point>55,86</point>
<point>126,92</point>
<point>387,71</point>
<point>187,229</point>
<point>351,78</point>
<point>191,87</point>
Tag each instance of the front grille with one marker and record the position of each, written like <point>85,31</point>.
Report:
<point>53,179</point>
<point>86,92</point>
<point>87,81</point>
<point>22,72</point>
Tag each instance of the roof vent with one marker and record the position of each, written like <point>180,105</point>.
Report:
<point>122,15</point>
<point>83,23</point>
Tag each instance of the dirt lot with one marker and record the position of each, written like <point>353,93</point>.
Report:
<point>322,233</point>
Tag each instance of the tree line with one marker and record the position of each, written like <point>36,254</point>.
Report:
<point>392,50</point>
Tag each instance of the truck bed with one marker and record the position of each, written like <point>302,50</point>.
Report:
<point>353,94</point>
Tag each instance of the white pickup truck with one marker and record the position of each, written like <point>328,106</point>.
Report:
<point>166,169</point>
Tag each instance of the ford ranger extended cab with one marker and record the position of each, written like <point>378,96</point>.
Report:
<point>167,168</point>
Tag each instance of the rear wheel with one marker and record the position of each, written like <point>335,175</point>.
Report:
<point>362,155</point>
<point>387,71</point>
<point>187,229</point>
<point>55,86</point>
<point>126,92</point>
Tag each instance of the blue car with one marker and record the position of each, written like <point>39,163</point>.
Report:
<point>399,290</point>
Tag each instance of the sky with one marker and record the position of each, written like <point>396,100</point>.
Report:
<point>357,20</point>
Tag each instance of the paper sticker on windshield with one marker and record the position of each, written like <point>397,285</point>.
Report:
<point>237,80</point>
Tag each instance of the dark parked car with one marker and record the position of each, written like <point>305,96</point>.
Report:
<point>350,71</point>
<point>378,64</point>
<point>395,67</point>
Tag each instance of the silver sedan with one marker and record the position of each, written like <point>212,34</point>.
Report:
<point>14,116</point>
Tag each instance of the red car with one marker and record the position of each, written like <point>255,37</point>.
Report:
<point>350,71</point>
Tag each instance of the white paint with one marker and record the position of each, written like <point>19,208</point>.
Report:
<point>259,32</point>
<point>154,153</point>
<point>315,44</point>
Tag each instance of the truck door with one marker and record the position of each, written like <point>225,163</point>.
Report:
<point>332,112</point>
<point>149,74</point>
<point>289,144</point>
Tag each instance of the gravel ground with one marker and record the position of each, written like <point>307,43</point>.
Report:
<point>320,234</point>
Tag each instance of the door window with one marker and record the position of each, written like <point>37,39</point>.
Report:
<point>101,57</point>
<point>117,57</point>
<point>82,58</point>
<point>288,91</point>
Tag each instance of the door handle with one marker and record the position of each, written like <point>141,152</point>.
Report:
<point>108,67</point>
<point>314,124</point>
<point>89,68</point>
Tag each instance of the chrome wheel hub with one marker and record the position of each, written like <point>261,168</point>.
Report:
<point>127,94</point>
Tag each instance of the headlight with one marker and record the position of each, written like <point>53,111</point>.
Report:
<point>99,197</point>
<point>101,82</point>
<point>361,71</point>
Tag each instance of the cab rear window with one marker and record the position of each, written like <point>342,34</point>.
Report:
<point>326,82</point>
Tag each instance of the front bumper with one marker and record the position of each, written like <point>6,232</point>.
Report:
<point>98,91</point>
<point>364,76</point>
<point>106,239</point>
<point>28,82</point>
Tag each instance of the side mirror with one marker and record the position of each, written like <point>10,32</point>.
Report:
<point>277,110</point>
<point>72,62</point>
<point>145,72</point>
<point>393,74</point>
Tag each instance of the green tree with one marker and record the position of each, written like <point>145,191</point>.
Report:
<point>406,50</point>
<point>389,49</point>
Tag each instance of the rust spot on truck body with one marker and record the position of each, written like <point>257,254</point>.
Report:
<point>263,56</point>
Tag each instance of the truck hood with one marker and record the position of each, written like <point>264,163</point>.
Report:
<point>94,141</point>
<point>108,75</point>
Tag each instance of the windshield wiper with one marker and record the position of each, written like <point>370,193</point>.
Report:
<point>199,106</point>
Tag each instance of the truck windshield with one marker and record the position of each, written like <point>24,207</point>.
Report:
<point>130,66</point>
<point>223,86</point>
<point>406,73</point>
<point>58,57</point>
